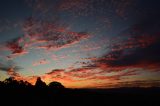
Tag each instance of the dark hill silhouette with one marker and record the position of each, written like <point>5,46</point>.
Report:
<point>56,85</point>
<point>22,93</point>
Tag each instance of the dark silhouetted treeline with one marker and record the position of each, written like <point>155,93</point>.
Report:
<point>11,83</point>
<point>22,93</point>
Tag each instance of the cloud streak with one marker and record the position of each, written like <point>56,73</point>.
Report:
<point>41,62</point>
<point>8,65</point>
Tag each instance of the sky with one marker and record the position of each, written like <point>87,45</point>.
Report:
<point>81,43</point>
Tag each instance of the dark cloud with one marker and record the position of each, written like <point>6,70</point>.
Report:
<point>142,45</point>
<point>137,46</point>
<point>14,46</point>
<point>55,71</point>
<point>7,65</point>
<point>139,56</point>
<point>89,7</point>
<point>139,83</point>
<point>40,62</point>
<point>132,84</point>
<point>17,47</point>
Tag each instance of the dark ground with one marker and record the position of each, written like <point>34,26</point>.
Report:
<point>80,97</point>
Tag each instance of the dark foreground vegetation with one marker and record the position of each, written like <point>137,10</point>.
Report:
<point>20,93</point>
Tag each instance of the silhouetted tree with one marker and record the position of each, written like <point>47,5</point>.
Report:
<point>11,83</point>
<point>40,83</point>
<point>56,85</point>
<point>8,80</point>
<point>2,84</point>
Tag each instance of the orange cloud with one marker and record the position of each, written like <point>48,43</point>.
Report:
<point>83,78</point>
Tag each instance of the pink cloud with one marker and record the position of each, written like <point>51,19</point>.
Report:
<point>12,56</point>
<point>44,35</point>
<point>56,57</point>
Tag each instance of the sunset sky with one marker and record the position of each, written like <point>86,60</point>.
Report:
<point>81,43</point>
